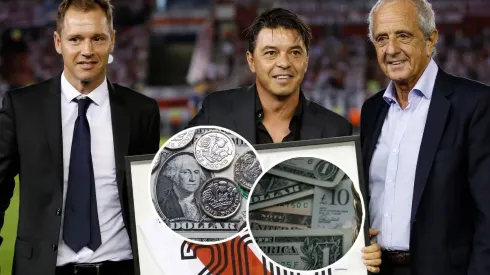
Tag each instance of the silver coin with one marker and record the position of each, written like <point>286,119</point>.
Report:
<point>214,151</point>
<point>247,169</point>
<point>180,140</point>
<point>220,198</point>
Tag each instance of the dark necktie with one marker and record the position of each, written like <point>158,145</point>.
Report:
<point>81,222</point>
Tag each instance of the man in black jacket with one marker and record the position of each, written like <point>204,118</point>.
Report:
<point>274,108</point>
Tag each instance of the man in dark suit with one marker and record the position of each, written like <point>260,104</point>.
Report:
<point>274,108</point>
<point>426,150</point>
<point>67,137</point>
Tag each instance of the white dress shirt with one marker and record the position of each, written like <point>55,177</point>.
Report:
<point>394,162</point>
<point>115,241</point>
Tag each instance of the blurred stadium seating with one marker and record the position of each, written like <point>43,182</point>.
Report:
<point>179,50</point>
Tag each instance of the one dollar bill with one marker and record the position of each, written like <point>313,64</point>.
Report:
<point>191,221</point>
<point>302,206</point>
<point>307,249</point>
<point>309,170</point>
<point>263,225</point>
<point>273,190</point>
<point>284,219</point>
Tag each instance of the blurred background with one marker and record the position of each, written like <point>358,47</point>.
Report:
<point>177,51</point>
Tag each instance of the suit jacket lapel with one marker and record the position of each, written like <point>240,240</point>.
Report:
<point>244,118</point>
<point>434,127</point>
<point>368,150</point>
<point>52,117</point>
<point>120,132</point>
<point>309,123</point>
<point>370,144</point>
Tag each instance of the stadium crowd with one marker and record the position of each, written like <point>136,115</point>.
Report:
<point>342,70</point>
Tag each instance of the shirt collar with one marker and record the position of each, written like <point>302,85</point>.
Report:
<point>98,95</point>
<point>259,111</point>
<point>425,84</point>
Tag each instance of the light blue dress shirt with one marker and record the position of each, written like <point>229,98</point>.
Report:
<point>392,170</point>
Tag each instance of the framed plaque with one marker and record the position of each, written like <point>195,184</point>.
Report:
<point>317,186</point>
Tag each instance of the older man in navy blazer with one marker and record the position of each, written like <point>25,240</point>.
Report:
<point>426,145</point>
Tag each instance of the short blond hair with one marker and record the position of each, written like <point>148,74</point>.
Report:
<point>85,6</point>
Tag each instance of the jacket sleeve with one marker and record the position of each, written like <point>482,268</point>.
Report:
<point>363,129</point>
<point>9,156</point>
<point>202,117</point>
<point>344,128</point>
<point>479,180</point>
<point>152,143</point>
<point>349,131</point>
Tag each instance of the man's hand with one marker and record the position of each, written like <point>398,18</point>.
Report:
<point>372,254</point>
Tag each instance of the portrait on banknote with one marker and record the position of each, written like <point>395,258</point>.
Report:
<point>200,181</point>
<point>177,182</point>
<point>313,203</point>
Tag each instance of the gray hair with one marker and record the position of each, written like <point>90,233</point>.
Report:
<point>175,165</point>
<point>427,21</point>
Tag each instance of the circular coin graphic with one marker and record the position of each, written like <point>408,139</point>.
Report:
<point>247,170</point>
<point>220,198</point>
<point>214,151</point>
<point>180,140</point>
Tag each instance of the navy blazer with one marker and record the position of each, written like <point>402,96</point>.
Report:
<point>450,220</point>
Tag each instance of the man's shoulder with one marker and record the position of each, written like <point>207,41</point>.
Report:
<point>133,97</point>
<point>324,114</point>
<point>226,95</point>
<point>373,101</point>
<point>168,197</point>
<point>376,98</point>
<point>468,87</point>
<point>36,89</point>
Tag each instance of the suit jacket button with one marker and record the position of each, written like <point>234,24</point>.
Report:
<point>55,247</point>
<point>58,211</point>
